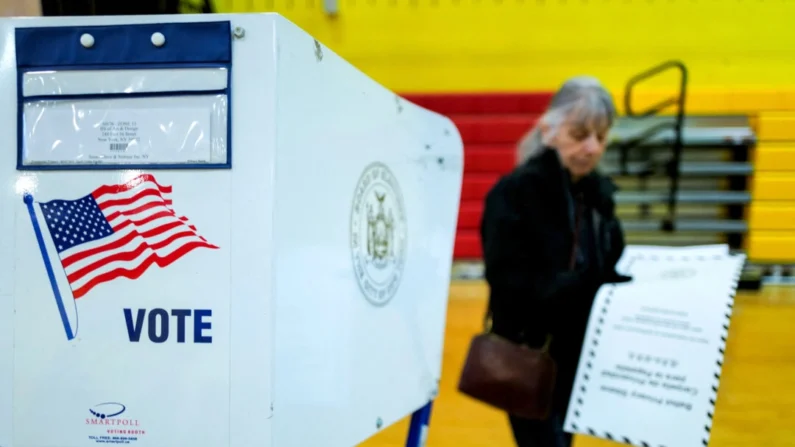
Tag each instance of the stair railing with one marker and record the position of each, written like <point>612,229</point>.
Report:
<point>673,166</point>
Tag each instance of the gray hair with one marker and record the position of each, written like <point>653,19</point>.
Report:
<point>584,95</point>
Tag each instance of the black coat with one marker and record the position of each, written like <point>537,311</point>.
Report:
<point>527,232</point>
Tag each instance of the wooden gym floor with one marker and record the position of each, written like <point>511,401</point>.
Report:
<point>756,402</point>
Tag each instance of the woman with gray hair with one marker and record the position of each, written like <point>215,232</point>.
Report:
<point>551,238</point>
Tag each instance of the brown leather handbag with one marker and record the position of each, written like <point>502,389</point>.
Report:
<point>512,377</point>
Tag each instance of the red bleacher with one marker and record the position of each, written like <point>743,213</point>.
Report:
<point>490,125</point>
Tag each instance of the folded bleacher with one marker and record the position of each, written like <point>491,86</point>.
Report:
<point>714,169</point>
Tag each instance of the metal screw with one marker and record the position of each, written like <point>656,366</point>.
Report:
<point>239,32</point>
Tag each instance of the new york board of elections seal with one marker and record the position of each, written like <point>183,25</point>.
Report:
<point>378,234</point>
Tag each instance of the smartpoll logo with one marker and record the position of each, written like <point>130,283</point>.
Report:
<point>116,429</point>
<point>107,410</point>
<point>117,231</point>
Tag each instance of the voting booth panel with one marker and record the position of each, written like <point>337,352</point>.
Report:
<point>367,192</point>
<point>214,232</point>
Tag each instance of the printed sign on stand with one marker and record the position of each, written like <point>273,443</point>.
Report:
<point>654,348</point>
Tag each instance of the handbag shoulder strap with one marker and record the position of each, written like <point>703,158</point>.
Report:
<point>488,318</point>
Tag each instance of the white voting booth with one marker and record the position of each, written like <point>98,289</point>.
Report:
<point>214,232</point>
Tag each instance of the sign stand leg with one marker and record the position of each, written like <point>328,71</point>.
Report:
<point>418,430</point>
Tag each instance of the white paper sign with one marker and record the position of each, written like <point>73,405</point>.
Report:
<point>653,351</point>
<point>90,133</point>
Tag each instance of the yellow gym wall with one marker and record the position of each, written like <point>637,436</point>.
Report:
<point>739,52</point>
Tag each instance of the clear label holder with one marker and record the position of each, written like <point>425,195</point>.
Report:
<point>152,96</point>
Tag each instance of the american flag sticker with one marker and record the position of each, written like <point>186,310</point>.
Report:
<point>116,231</point>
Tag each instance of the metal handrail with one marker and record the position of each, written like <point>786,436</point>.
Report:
<point>674,166</point>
